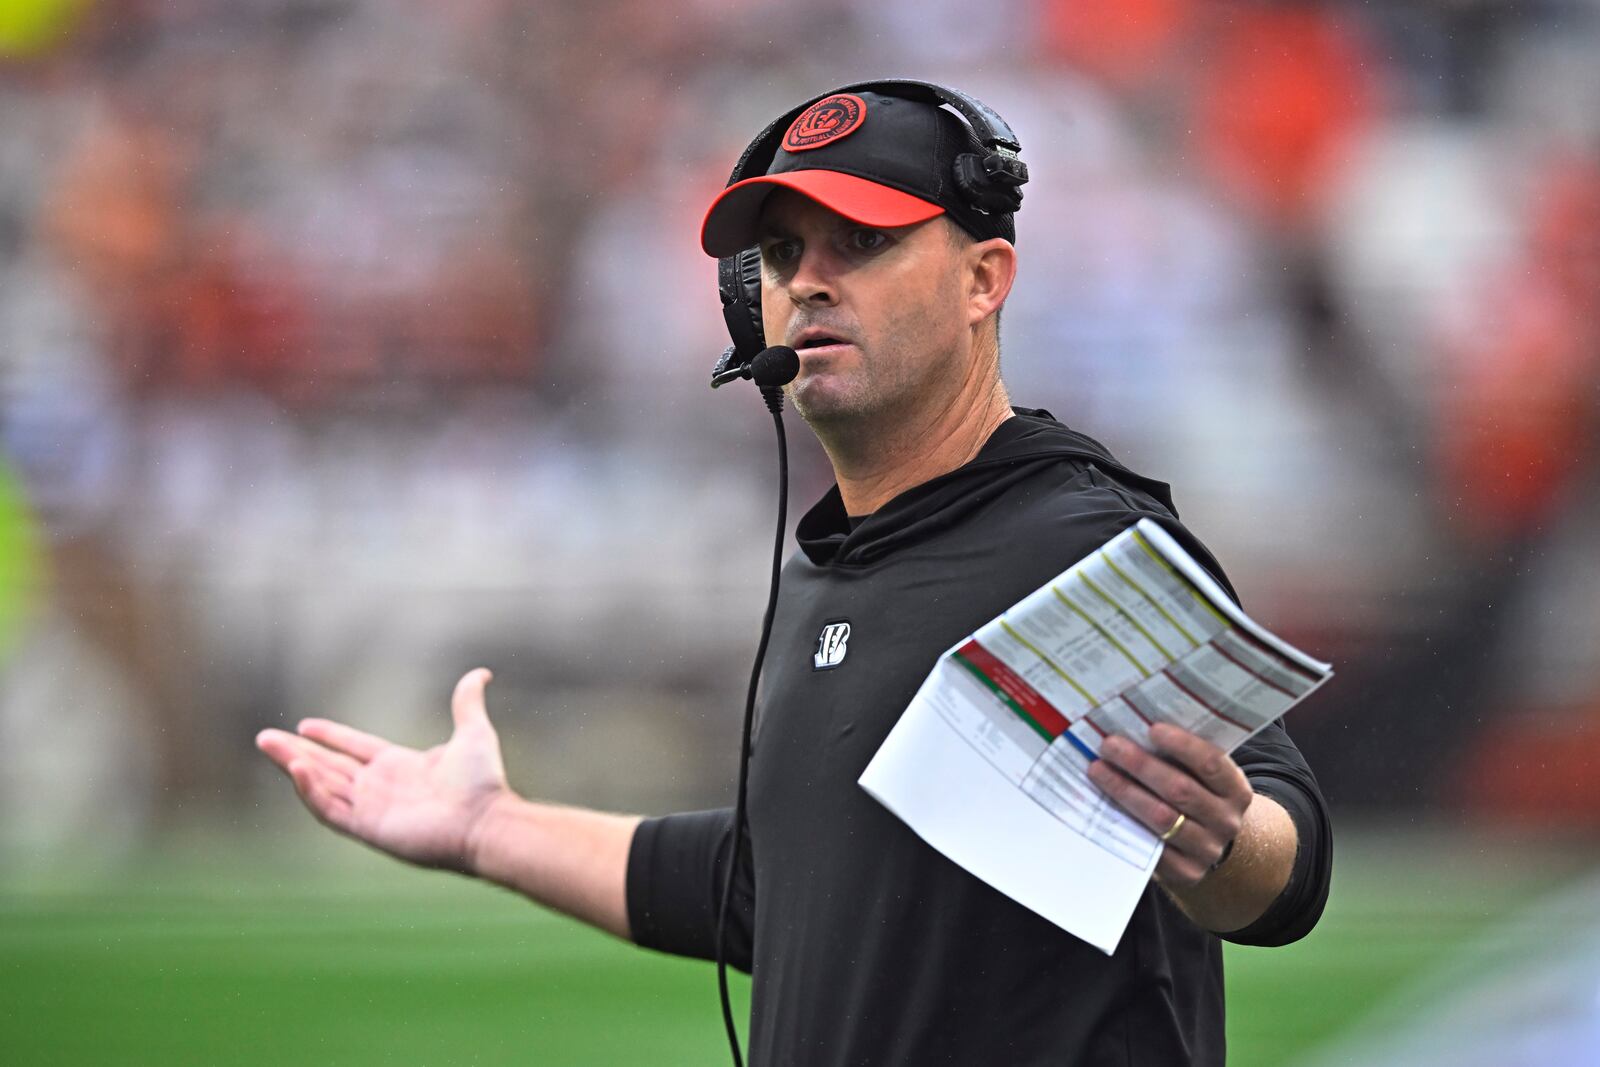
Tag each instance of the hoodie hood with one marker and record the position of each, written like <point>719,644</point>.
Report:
<point>1016,450</point>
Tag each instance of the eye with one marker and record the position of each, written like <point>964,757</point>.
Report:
<point>781,250</point>
<point>864,240</point>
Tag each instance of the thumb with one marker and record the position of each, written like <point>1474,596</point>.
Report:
<point>466,703</point>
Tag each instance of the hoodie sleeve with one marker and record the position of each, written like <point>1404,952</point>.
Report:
<point>676,868</point>
<point>1277,770</point>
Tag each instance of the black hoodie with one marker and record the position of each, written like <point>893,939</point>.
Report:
<point>866,946</point>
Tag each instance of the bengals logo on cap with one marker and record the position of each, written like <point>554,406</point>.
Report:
<point>827,120</point>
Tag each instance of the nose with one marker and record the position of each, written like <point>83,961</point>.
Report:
<point>814,282</point>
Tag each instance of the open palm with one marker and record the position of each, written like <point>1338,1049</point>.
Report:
<point>420,806</point>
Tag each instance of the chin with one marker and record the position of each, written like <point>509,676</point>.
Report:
<point>822,403</point>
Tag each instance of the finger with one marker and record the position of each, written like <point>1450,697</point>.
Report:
<point>283,748</point>
<point>321,795</point>
<point>466,703</point>
<point>1180,790</point>
<point>275,746</point>
<point>1199,843</point>
<point>1179,869</point>
<point>341,738</point>
<point>306,773</point>
<point>1211,765</point>
<point>1156,814</point>
<point>1194,839</point>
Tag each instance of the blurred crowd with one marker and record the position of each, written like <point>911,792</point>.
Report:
<point>346,345</point>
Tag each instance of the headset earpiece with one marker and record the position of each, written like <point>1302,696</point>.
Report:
<point>739,285</point>
<point>991,183</point>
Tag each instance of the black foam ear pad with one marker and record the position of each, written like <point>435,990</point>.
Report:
<point>739,284</point>
<point>991,183</point>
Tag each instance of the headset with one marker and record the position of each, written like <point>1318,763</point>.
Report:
<point>990,181</point>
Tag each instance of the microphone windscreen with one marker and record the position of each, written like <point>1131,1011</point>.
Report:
<point>774,367</point>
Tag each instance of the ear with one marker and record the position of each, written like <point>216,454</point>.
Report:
<point>991,270</point>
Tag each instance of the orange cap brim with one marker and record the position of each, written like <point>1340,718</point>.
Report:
<point>731,222</point>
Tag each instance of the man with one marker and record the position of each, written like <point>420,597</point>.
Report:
<point>867,946</point>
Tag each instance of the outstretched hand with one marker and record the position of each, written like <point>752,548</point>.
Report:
<point>419,806</point>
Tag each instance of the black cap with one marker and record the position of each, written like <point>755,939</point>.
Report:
<point>878,160</point>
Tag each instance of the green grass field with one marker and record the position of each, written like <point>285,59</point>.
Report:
<point>221,956</point>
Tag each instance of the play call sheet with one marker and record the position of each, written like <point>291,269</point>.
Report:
<point>988,763</point>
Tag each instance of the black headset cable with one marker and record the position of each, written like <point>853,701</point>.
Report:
<point>772,369</point>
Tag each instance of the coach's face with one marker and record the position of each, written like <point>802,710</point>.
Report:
<point>883,319</point>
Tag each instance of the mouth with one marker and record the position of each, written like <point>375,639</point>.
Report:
<point>821,345</point>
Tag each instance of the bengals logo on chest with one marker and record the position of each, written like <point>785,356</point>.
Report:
<point>833,643</point>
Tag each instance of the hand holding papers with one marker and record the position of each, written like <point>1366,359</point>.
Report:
<point>988,763</point>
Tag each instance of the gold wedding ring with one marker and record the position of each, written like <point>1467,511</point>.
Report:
<point>1175,827</point>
